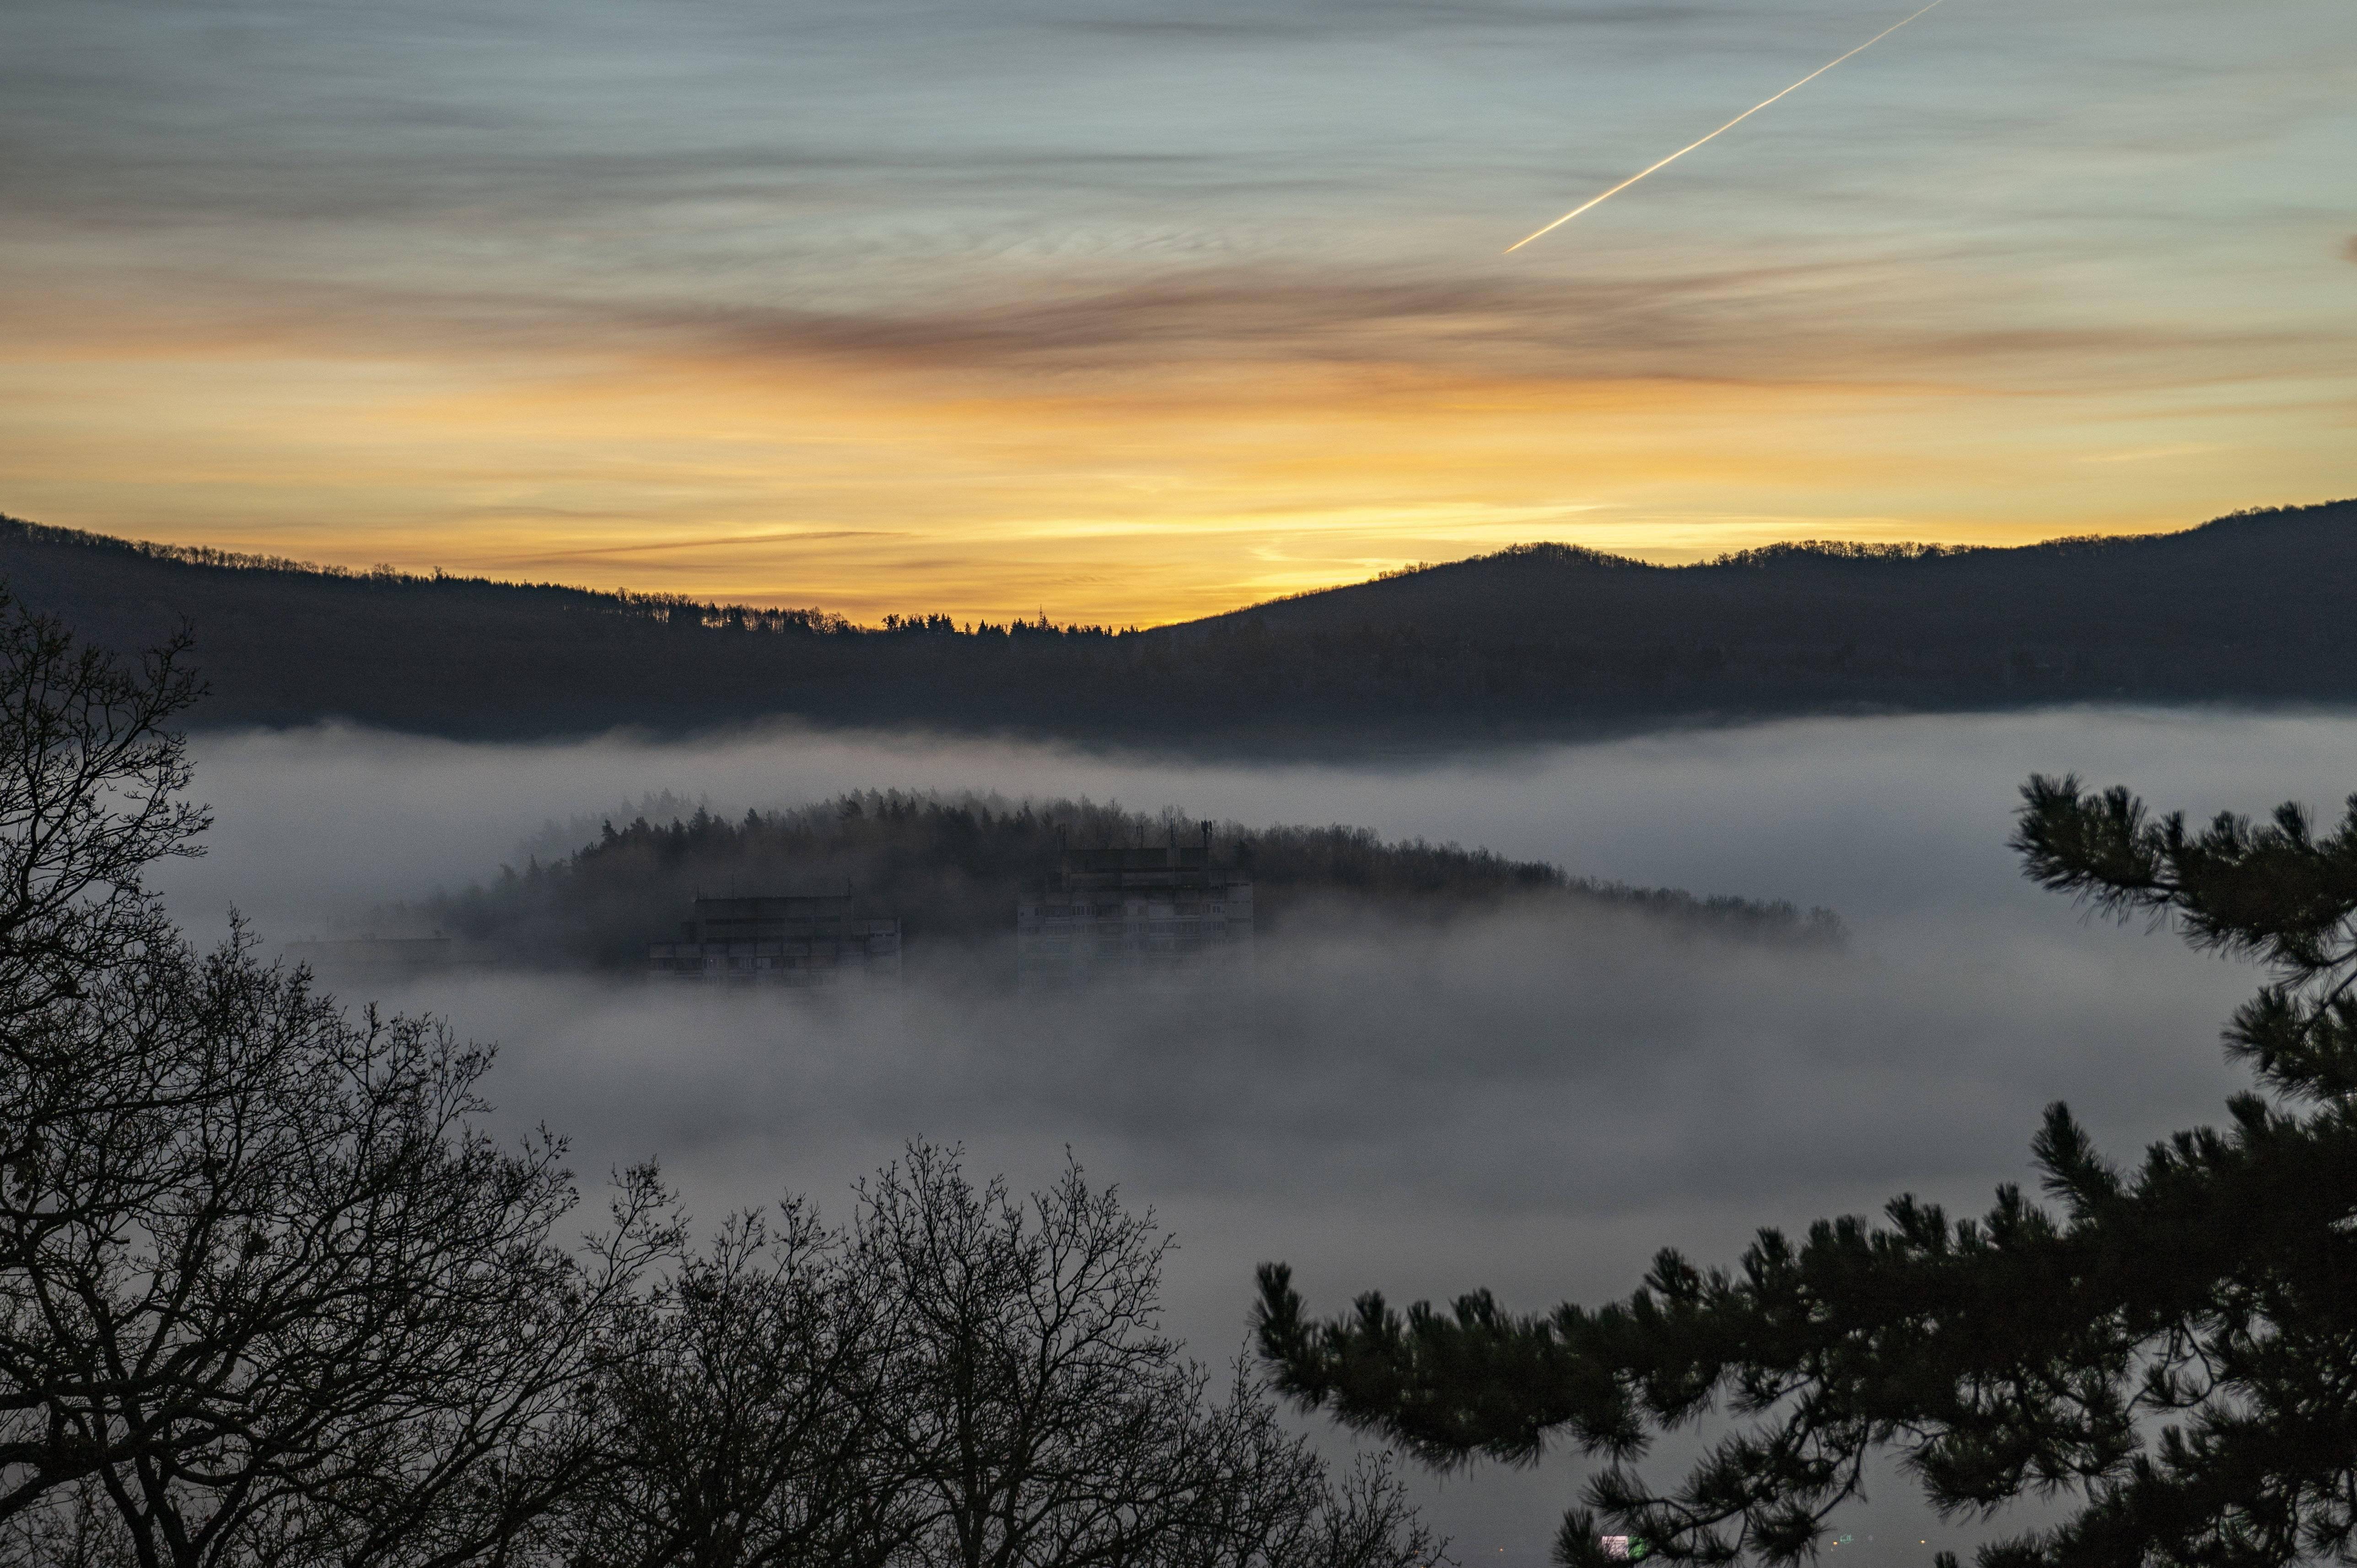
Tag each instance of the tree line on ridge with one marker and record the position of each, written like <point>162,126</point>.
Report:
<point>1533,641</point>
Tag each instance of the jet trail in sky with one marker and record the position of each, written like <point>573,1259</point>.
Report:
<point>1731,126</point>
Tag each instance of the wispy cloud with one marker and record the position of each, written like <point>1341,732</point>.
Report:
<point>2153,454</point>
<point>846,299</point>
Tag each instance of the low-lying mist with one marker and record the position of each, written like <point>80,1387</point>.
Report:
<point>951,867</point>
<point>1528,1098</point>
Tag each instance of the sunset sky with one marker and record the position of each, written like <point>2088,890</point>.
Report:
<point>1130,312</point>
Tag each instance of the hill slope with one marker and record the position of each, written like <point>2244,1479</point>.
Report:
<point>2276,580</point>
<point>951,868</point>
<point>1538,640</point>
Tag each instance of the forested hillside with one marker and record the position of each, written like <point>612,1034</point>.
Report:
<point>950,868</point>
<point>1539,639</point>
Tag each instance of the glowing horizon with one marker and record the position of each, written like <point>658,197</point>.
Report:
<point>1129,316</point>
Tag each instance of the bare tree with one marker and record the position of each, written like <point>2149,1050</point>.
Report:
<point>744,1396</point>
<point>309,1313</point>
<point>1266,1499</point>
<point>269,1296</point>
<point>1039,1415</point>
<point>960,1379</point>
<point>266,1293</point>
<point>1364,1521</point>
<point>1044,1420</point>
<point>89,797</point>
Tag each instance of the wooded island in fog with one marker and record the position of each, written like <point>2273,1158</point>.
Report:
<point>948,868</point>
<point>1538,640</point>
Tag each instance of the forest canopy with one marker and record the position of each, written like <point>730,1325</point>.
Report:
<point>950,867</point>
<point>2167,1348</point>
<point>1538,640</point>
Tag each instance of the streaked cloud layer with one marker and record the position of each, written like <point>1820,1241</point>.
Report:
<point>1129,312</point>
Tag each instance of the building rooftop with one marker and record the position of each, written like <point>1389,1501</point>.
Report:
<point>1142,865</point>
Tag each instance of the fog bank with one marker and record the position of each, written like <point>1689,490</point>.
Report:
<point>1875,817</point>
<point>1534,1100</point>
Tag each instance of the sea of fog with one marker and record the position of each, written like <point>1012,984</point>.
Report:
<point>1534,1102</point>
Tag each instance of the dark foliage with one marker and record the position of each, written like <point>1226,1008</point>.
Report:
<point>89,800</point>
<point>950,868</point>
<point>959,1379</point>
<point>2174,1345</point>
<point>271,1298</point>
<point>1540,640</point>
<point>266,1294</point>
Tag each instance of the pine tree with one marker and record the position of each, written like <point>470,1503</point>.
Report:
<point>2172,1347</point>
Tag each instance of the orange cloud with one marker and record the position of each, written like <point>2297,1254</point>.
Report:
<point>1130,452</point>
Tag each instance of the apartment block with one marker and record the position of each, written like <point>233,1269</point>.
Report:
<point>1133,910</point>
<point>782,939</point>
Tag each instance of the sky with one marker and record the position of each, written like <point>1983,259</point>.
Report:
<point>1532,1101</point>
<point>1123,313</point>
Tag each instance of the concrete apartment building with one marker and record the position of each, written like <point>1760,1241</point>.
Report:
<point>1133,910</point>
<point>781,940</point>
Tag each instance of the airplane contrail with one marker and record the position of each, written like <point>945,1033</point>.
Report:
<point>1731,126</point>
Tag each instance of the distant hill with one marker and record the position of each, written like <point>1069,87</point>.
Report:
<point>1543,639</point>
<point>2237,591</point>
<point>950,867</point>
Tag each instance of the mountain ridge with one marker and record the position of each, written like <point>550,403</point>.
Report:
<point>1537,639</point>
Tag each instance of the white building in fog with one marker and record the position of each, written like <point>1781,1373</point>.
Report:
<point>781,940</point>
<point>1131,910</point>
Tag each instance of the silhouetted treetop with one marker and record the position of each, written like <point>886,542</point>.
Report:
<point>950,868</point>
<point>2172,1347</point>
<point>273,1296</point>
<point>1539,639</point>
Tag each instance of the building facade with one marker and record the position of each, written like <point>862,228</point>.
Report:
<point>1133,910</point>
<point>781,940</point>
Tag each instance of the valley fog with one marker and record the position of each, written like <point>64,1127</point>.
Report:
<point>1534,1101</point>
